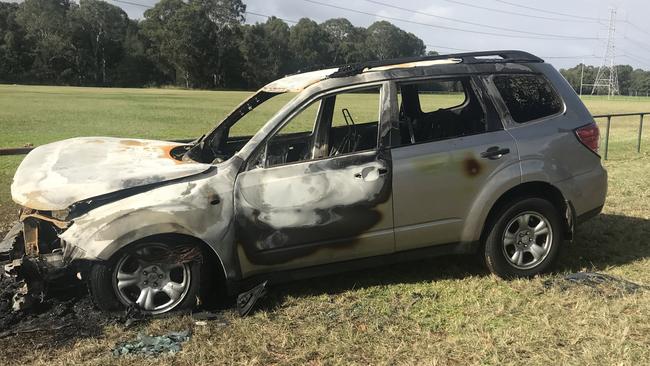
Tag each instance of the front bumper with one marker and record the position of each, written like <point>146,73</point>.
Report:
<point>33,254</point>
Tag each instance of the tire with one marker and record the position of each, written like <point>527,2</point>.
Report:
<point>142,276</point>
<point>532,228</point>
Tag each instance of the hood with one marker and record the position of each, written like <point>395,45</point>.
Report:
<point>56,175</point>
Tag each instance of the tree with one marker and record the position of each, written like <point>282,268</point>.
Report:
<point>194,40</point>
<point>45,25</point>
<point>346,41</point>
<point>99,31</point>
<point>309,45</point>
<point>15,58</point>
<point>264,48</point>
<point>386,41</point>
<point>136,68</point>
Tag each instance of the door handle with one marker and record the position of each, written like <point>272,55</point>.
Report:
<point>495,152</point>
<point>361,175</point>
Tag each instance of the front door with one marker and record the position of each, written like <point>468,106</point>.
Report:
<point>320,192</point>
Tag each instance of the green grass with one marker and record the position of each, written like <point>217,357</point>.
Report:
<point>442,311</point>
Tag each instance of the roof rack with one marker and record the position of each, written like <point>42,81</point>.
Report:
<point>467,58</point>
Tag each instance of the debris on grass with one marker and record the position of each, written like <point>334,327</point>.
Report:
<point>62,318</point>
<point>246,300</point>
<point>604,284</point>
<point>151,346</point>
<point>203,317</point>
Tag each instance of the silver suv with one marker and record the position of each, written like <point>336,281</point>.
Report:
<point>489,153</point>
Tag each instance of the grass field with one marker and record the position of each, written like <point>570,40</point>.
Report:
<point>436,312</point>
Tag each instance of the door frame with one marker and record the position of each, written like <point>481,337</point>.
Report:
<point>249,268</point>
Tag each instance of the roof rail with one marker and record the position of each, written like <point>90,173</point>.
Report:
<point>467,58</point>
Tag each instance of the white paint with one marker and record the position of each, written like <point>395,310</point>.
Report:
<point>56,175</point>
<point>289,198</point>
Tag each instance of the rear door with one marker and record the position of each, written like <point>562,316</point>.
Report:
<point>321,193</point>
<point>452,145</point>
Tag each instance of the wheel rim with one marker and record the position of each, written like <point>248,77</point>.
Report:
<point>527,240</point>
<point>145,280</point>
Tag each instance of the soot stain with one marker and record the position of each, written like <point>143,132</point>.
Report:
<point>471,167</point>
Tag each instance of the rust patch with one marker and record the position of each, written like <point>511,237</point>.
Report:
<point>33,198</point>
<point>131,142</point>
<point>166,152</point>
<point>471,166</point>
<point>30,237</point>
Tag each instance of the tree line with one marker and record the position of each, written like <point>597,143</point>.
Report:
<point>189,43</point>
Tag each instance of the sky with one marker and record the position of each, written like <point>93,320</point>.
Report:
<point>563,32</point>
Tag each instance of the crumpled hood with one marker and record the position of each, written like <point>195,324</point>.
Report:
<point>56,175</point>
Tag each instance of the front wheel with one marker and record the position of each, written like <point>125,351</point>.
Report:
<point>146,276</point>
<point>524,239</point>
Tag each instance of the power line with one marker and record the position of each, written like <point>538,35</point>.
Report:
<point>501,11</point>
<point>269,16</point>
<point>642,45</point>
<point>465,22</point>
<point>448,48</point>
<point>633,56</point>
<point>637,27</point>
<point>132,3</point>
<point>546,11</point>
<point>570,57</point>
<point>441,26</point>
<point>428,45</point>
<point>246,12</point>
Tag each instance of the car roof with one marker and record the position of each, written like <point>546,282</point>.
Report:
<point>298,82</point>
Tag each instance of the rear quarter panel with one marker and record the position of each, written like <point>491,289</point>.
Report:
<point>550,151</point>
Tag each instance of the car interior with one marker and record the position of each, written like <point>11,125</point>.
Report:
<point>336,131</point>
<point>417,125</point>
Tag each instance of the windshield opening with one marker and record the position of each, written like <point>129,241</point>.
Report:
<point>232,133</point>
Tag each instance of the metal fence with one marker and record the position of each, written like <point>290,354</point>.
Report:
<point>609,123</point>
<point>25,150</point>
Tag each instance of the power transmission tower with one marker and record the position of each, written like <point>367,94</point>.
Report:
<point>607,76</point>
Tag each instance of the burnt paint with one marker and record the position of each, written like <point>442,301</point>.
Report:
<point>471,166</point>
<point>336,226</point>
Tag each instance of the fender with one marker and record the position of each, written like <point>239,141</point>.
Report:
<point>200,208</point>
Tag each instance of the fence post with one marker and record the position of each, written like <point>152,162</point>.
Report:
<point>638,144</point>
<point>609,121</point>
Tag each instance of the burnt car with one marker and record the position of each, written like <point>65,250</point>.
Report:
<point>320,172</point>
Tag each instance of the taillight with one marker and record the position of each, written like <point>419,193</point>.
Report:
<point>589,135</point>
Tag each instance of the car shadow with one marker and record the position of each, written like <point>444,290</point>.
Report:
<point>602,242</point>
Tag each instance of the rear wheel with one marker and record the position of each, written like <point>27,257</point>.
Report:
<point>148,277</point>
<point>524,239</point>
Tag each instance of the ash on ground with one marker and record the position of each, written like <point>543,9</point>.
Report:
<point>65,315</point>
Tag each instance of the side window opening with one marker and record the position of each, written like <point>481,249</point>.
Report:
<point>355,121</point>
<point>294,141</point>
<point>528,97</point>
<point>343,123</point>
<point>438,109</point>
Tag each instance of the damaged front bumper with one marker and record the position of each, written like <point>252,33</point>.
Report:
<point>33,254</point>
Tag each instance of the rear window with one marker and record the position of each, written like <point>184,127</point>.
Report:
<point>528,97</point>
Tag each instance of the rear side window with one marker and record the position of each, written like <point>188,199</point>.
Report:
<point>528,97</point>
<point>435,109</point>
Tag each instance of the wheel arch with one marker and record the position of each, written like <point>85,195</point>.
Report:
<point>214,284</point>
<point>537,189</point>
